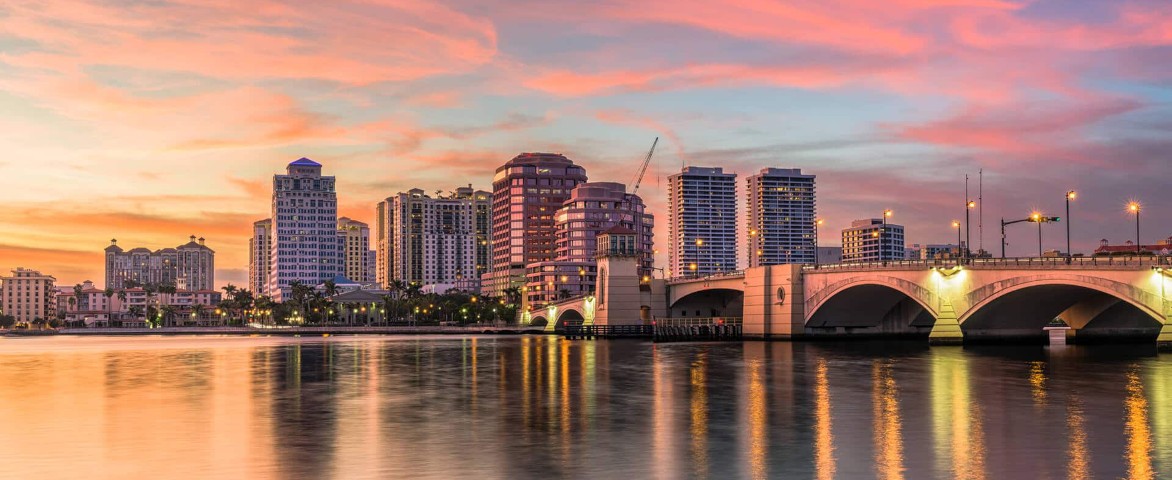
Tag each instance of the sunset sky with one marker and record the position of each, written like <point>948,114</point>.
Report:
<point>148,121</point>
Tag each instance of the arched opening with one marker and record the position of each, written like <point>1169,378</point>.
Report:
<point>717,302</point>
<point>569,318</point>
<point>538,322</point>
<point>1095,316</point>
<point>871,310</point>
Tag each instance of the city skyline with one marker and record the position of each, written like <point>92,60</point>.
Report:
<point>898,106</point>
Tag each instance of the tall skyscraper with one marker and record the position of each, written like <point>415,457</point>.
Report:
<point>191,266</point>
<point>28,295</point>
<point>305,245</point>
<point>871,241</point>
<point>526,192</point>
<point>429,240</point>
<point>355,238</point>
<point>781,217</point>
<point>592,208</point>
<point>259,256</point>
<point>703,221</point>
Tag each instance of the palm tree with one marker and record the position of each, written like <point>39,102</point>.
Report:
<point>121,299</point>
<point>331,288</point>
<point>109,293</point>
<point>73,304</point>
<point>135,311</point>
<point>513,295</point>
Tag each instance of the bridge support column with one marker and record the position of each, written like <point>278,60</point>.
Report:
<point>774,303</point>
<point>1164,340</point>
<point>946,330</point>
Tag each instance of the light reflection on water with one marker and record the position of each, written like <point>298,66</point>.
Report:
<point>507,407</point>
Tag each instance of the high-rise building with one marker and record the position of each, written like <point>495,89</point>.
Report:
<point>781,217</point>
<point>591,209</point>
<point>260,248</point>
<point>702,222</point>
<point>305,246</point>
<point>355,238</point>
<point>526,193</point>
<point>28,295</point>
<point>188,266</point>
<point>871,240</point>
<point>434,241</point>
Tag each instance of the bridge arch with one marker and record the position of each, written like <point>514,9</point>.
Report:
<point>1096,308</point>
<point>709,302</point>
<point>538,320</point>
<point>569,315</point>
<point>880,305</point>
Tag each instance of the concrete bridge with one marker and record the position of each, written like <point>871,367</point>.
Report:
<point>1100,299</point>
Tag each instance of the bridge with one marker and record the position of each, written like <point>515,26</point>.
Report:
<point>979,300</point>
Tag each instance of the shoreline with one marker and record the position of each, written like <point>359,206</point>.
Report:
<point>290,331</point>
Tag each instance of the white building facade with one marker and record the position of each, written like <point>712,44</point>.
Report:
<point>260,247</point>
<point>355,238</point>
<point>188,266</point>
<point>305,246</point>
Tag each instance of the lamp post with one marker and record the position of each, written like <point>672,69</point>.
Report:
<point>1134,207</point>
<point>1069,196</point>
<point>882,235</point>
<point>817,225</point>
<point>968,231</point>
<point>956,225</point>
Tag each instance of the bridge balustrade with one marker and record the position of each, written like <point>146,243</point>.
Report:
<point>1015,262</point>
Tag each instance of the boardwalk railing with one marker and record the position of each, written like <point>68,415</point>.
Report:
<point>607,331</point>
<point>698,328</point>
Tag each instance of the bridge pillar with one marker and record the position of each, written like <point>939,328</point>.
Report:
<point>618,292</point>
<point>1164,340</point>
<point>946,330</point>
<point>774,303</point>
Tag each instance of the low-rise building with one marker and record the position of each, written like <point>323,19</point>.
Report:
<point>27,296</point>
<point>1161,248</point>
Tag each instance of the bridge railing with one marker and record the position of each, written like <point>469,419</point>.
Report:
<point>696,321</point>
<point>714,276</point>
<point>1015,262</point>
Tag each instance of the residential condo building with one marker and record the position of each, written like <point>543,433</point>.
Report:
<point>871,240</point>
<point>527,192</point>
<point>702,223</point>
<point>260,247</point>
<point>28,295</point>
<point>592,208</point>
<point>356,257</point>
<point>188,266</point>
<point>438,241</point>
<point>305,246</point>
<point>781,212</point>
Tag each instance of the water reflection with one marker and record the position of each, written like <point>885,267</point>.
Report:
<point>823,436</point>
<point>498,407</point>
<point>1139,436</point>
<point>887,428</point>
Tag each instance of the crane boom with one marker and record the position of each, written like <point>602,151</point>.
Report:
<point>643,168</point>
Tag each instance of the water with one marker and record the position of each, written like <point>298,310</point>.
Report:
<point>541,407</point>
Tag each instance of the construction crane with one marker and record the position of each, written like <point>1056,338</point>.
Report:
<point>643,168</point>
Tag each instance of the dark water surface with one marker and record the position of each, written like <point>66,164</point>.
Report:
<point>542,407</point>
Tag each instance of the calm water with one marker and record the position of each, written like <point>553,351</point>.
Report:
<point>507,407</point>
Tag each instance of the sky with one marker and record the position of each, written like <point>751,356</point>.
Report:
<point>152,120</point>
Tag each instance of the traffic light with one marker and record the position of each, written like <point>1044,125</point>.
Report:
<point>1053,219</point>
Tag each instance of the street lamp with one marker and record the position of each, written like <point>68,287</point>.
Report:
<point>882,232</point>
<point>968,231</point>
<point>817,225</point>
<point>699,259</point>
<point>1071,195</point>
<point>956,225</point>
<point>752,247</point>
<point>1134,207</point>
